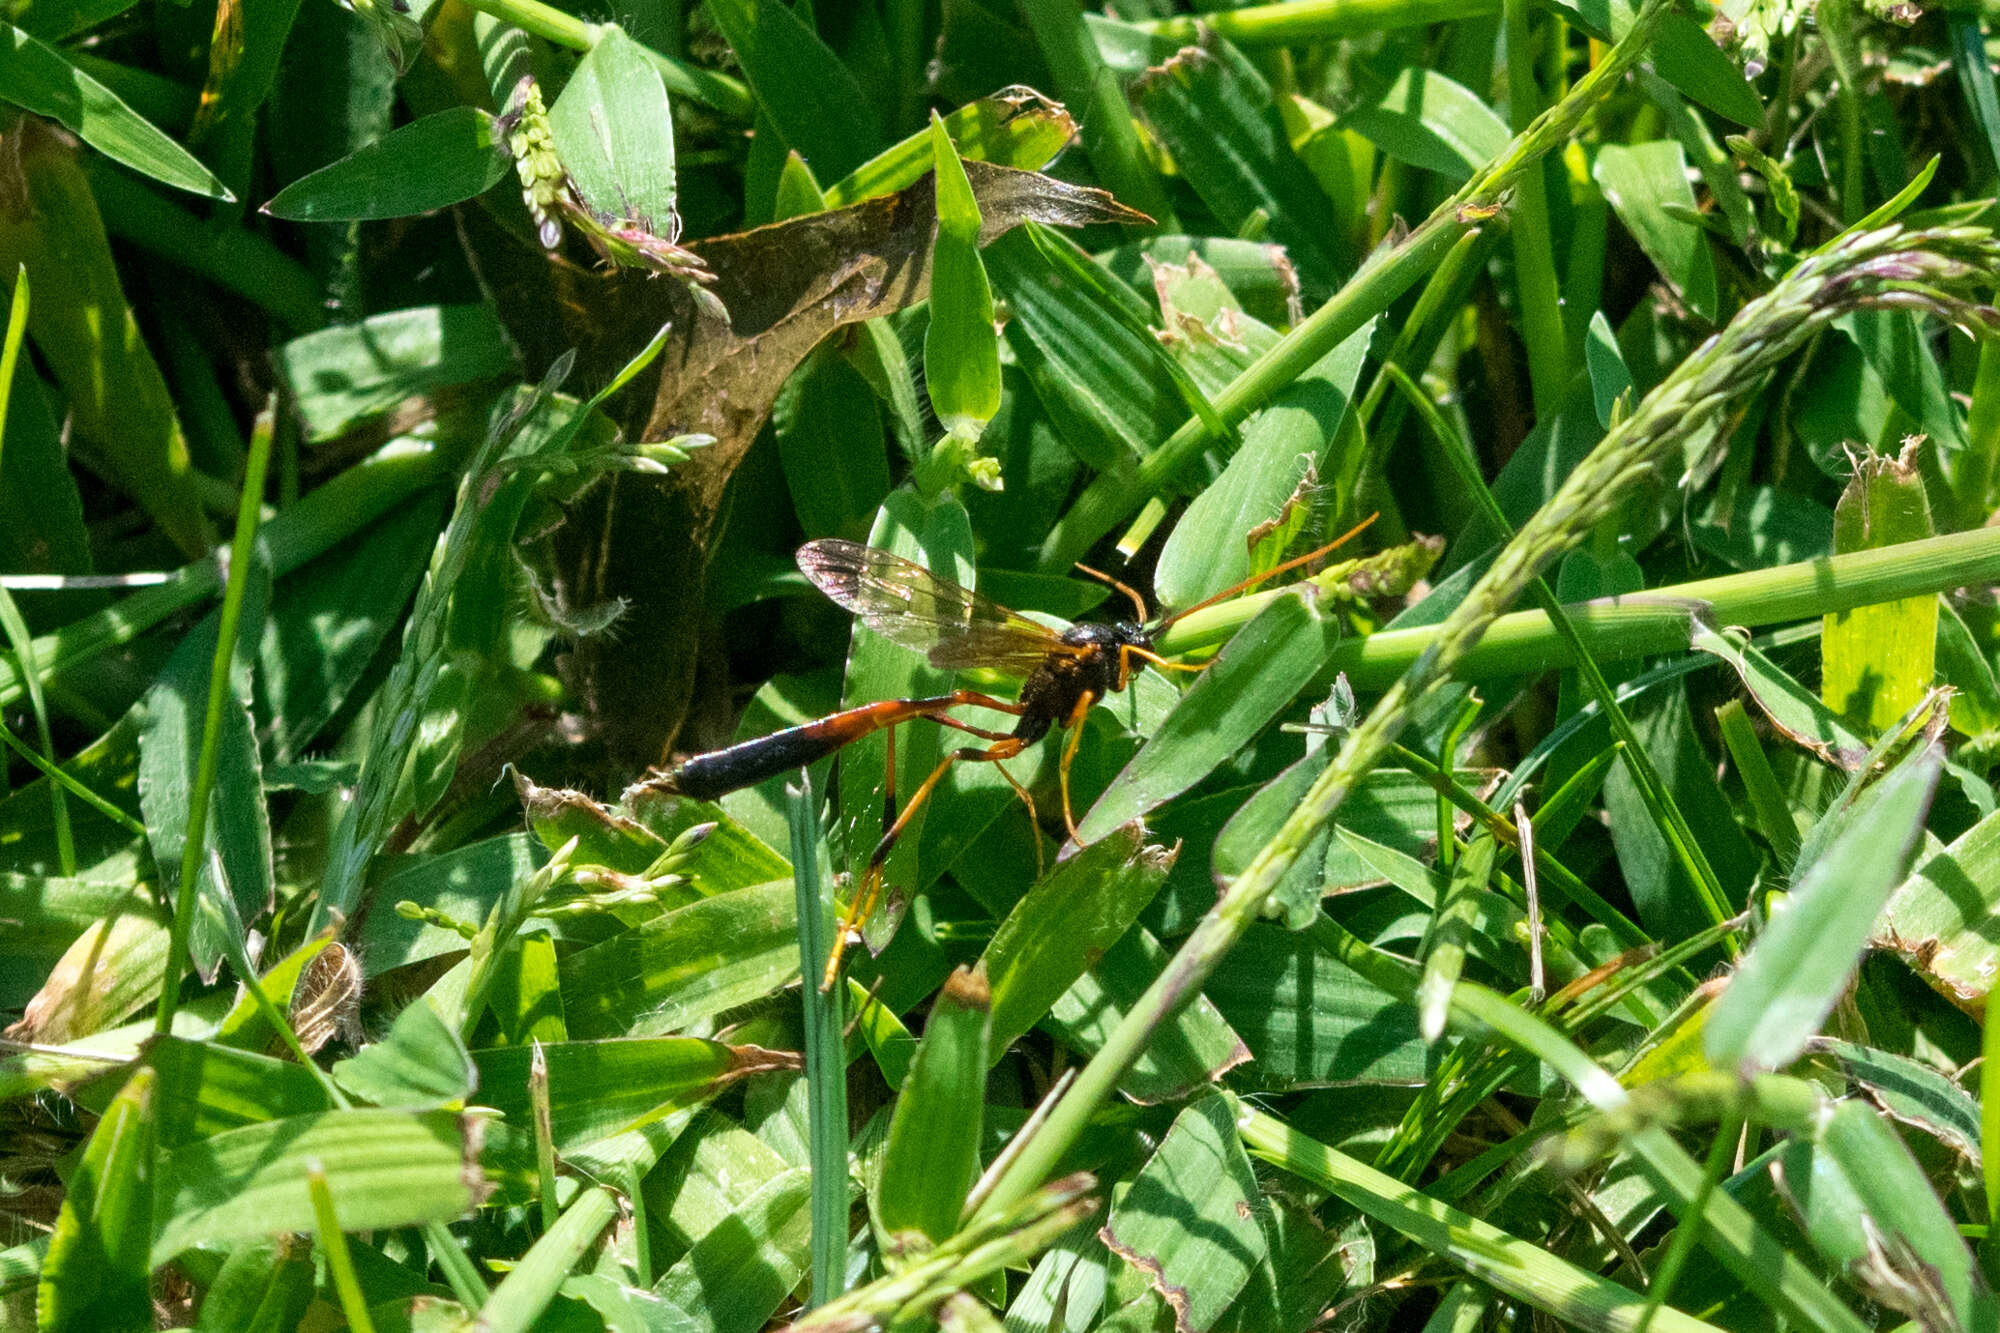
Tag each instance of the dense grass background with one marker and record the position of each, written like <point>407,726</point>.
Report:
<point>1573,907</point>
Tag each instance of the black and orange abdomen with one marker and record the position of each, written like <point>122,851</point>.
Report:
<point>705,777</point>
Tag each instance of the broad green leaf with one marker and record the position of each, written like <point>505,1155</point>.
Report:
<point>45,914</point>
<point>1975,74</point>
<point>1661,883</point>
<point>798,193</point>
<point>385,1169</point>
<point>340,377</point>
<point>96,1275</point>
<point>434,162</point>
<point>1767,526</point>
<point>728,858</point>
<point>242,69</point>
<point>1309,1020</point>
<point>615,136</point>
<point>419,1066</point>
<point>1015,127</point>
<point>1286,443</point>
<point>931,1157</point>
<point>1898,351</point>
<point>1640,181</point>
<point>207,1088</point>
<point>525,1001</point>
<point>961,348</point>
<point>1064,924</point>
<point>1806,957</point>
<point>1255,272</point>
<point>738,1272</point>
<point>1682,53</point>
<point>1975,702</point>
<point>833,447</point>
<point>1190,1052</point>
<point>1686,56</point>
<point>1190,1222</point>
<point>238,831</point>
<point>327,622</point>
<point>1081,75</point>
<point>1945,918</point>
<point>1250,682</point>
<point>1879,661</point>
<point>1866,1201</point>
<point>1428,121</point>
<point>601,1088</point>
<point>262,1287</point>
<point>41,510</point>
<point>89,338</point>
<point>1082,339</point>
<point>38,77</point>
<point>1214,113</point>
<point>1911,1093</point>
<point>462,884</point>
<point>681,967</point>
<point>812,100</point>
<point>520,1303</point>
<point>1610,381</point>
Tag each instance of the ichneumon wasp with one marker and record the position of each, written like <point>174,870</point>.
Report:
<point>1064,671</point>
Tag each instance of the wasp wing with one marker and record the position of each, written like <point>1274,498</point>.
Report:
<point>899,599</point>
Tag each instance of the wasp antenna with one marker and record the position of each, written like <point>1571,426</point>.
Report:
<point>1270,573</point>
<point>1101,577</point>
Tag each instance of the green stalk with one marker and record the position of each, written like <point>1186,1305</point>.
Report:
<point>333,1243</point>
<point>67,781</point>
<point>524,1295</point>
<point>1680,1247</point>
<point>826,1062</point>
<point>1111,498</point>
<point>711,89</point>
<point>187,889</point>
<point>1300,22</point>
<point>1645,623</point>
<point>1535,283</point>
<point>1768,804</point>
<point>1525,1271</point>
<point>1836,25</point>
<point>1972,478</point>
<point>1942,270</point>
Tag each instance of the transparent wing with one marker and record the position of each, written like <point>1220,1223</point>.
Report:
<point>901,600</point>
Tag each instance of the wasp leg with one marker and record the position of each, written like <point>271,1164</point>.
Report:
<point>870,890</point>
<point>1128,652</point>
<point>1075,725</point>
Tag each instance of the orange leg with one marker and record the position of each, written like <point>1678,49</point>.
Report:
<point>1075,725</point>
<point>1129,651</point>
<point>1034,820</point>
<point>870,890</point>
